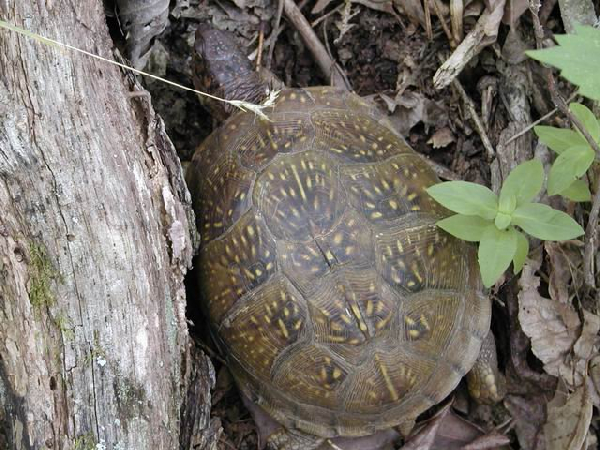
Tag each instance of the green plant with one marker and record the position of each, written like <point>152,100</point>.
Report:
<point>492,220</point>
<point>578,58</point>
<point>575,155</point>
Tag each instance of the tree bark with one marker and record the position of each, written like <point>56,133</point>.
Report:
<point>95,240</point>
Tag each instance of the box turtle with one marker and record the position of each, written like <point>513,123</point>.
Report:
<point>340,308</point>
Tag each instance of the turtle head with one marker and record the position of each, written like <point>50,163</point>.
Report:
<point>222,69</point>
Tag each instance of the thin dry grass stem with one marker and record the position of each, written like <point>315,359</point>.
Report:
<point>243,105</point>
<point>428,28</point>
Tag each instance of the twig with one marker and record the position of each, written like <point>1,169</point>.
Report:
<point>591,230</point>
<point>537,122</point>
<point>275,33</point>
<point>476,120</point>
<point>530,126</point>
<point>439,13</point>
<point>457,12</point>
<point>329,68</point>
<point>261,42</point>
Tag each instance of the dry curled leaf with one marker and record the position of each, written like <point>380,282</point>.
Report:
<point>442,138</point>
<point>569,419</point>
<point>552,327</point>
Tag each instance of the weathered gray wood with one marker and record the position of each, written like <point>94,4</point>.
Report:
<point>94,244</point>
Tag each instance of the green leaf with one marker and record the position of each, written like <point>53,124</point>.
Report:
<point>467,228</point>
<point>578,58</point>
<point>546,223</point>
<point>496,251</point>
<point>524,182</point>
<point>470,199</point>
<point>568,166</point>
<point>502,220</point>
<point>521,253</point>
<point>578,191</point>
<point>588,119</point>
<point>558,139</point>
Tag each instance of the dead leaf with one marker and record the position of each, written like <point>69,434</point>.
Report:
<point>320,6</point>
<point>513,10</point>
<point>560,271</point>
<point>551,326</point>
<point>447,431</point>
<point>569,419</point>
<point>576,368</point>
<point>528,415</point>
<point>489,441</point>
<point>442,138</point>
<point>594,380</point>
<point>424,438</point>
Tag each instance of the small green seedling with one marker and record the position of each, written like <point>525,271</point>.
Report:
<point>492,220</point>
<point>575,155</point>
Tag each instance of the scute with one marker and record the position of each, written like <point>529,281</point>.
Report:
<point>271,319</point>
<point>340,306</point>
<point>235,265</point>
<point>299,196</point>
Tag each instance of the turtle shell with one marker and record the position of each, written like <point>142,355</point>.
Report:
<point>339,306</point>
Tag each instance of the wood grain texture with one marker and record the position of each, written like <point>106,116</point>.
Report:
<point>95,241</point>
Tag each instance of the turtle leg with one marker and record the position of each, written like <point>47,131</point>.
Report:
<point>485,382</point>
<point>274,436</point>
<point>284,439</point>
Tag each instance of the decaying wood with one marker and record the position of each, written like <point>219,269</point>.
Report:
<point>94,243</point>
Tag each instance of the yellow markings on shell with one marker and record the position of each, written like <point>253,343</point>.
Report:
<point>417,275</point>
<point>386,377</point>
<point>413,333</point>
<point>300,186</point>
<point>356,311</point>
<point>284,330</point>
<point>376,215</point>
<point>399,246</point>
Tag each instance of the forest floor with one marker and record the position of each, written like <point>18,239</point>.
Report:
<point>474,121</point>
